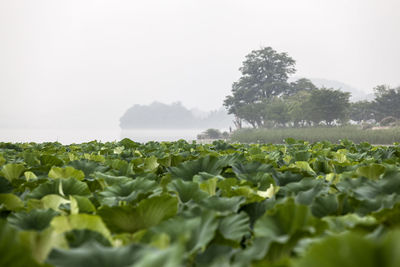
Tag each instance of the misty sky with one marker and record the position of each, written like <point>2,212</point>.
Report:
<point>81,63</point>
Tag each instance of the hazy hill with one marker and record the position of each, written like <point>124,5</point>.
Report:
<point>174,116</point>
<point>356,94</point>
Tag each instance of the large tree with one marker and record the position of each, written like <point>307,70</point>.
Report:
<point>264,76</point>
<point>277,112</point>
<point>297,107</point>
<point>387,102</point>
<point>361,111</point>
<point>327,105</point>
<point>302,84</point>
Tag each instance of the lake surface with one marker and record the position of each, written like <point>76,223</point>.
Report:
<point>68,136</point>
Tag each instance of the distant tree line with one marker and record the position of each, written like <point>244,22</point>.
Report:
<point>263,97</point>
<point>385,105</point>
<point>174,116</point>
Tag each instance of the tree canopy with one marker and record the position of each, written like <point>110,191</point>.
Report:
<point>327,105</point>
<point>263,97</point>
<point>387,102</point>
<point>264,76</point>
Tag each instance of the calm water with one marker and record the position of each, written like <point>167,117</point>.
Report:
<point>66,136</point>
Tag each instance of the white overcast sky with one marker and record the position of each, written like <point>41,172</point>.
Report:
<point>82,63</point>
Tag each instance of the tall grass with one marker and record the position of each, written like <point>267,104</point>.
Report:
<point>315,134</point>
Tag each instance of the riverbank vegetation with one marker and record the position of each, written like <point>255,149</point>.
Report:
<point>386,136</point>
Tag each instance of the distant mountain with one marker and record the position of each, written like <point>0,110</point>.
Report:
<point>174,116</point>
<point>198,113</point>
<point>356,94</point>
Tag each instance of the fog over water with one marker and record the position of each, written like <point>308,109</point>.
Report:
<point>70,69</point>
<point>66,136</point>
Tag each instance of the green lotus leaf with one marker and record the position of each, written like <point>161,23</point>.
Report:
<point>87,166</point>
<point>42,242</point>
<point>13,251</point>
<point>306,197</point>
<point>141,165</point>
<point>53,202</point>
<point>201,205</point>
<point>12,171</point>
<point>209,186</point>
<point>93,254</point>
<point>63,224</point>
<point>390,183</point>
<point>95,157</point>
<point>128,191</point>
<point>29,175</point>
<point>128,143</point>
<point>36,219</point>
<point>10,202</point>
<point>256,251</point>
<point>31,158</point>
<point>78,237</point>
<point>203,232</point>
<point>49,161</point>
<point>345,250</point>
<point>250,194</point>
<point>111,179</point>
<point>257,209</point>
<point>305,185</point>
<point>256,172</point>
<point>5,186</point>
<point>215,255</point>
<point>339,158</point>
<point>388,216</point>
<point>282,262</point>
<point>82,204</point>
<point>284,225</point>
<point>325,205</point>
<point>187,190</point>
<point>176,228</point>
<point>301,155</point>
<point>169,257</point>
<point>223,205</point>
<point>322,165</point>
<point>66,172</point>
<point>389,249</point>
<point>122,167</point>
<point>372,194</point>
<point>361,188</point>
<point>339,224</point>
<point>373,171</point>
<point>205,176</point>
<point>149,212</point>
<point>252,167</point>
<point>62,187</point>
<point>235,226</point>
<point>302,166</point>
<point>227,184</point>
<point>284,178</point>
<point>287,218</point>
<point>197,232</point>
<point>188,169</point>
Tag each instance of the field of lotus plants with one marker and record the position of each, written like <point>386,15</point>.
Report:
<point>124,203</point>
